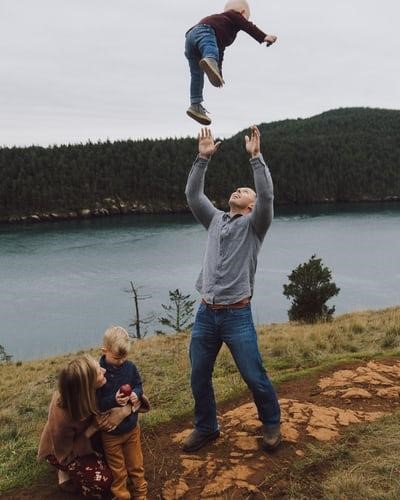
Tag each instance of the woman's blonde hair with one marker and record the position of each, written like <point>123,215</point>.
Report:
<point>77,386</point>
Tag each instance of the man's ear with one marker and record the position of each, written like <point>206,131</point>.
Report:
<point>251,206</point>
<point>103,350</point>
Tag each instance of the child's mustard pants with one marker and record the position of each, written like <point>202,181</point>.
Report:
<point>125,459</point>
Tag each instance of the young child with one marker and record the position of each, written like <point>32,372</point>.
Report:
<point>122,446</point>
<point>205,46</point>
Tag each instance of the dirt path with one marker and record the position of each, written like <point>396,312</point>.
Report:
<point>318,408</point>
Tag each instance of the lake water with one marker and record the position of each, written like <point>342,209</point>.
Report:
<point>62,284</point>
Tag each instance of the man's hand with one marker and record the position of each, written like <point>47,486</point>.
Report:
<point>253,143</point>
<point>120,399</point>
<point>270,39</point>
<point>207,147</point>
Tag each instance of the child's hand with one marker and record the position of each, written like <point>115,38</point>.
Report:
<point>270,39</point>
<point>133,398</point>
<point>120,399</point>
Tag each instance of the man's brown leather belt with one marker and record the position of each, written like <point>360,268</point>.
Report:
<point>236,305</point>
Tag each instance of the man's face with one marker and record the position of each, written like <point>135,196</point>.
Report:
<point>243,198</point>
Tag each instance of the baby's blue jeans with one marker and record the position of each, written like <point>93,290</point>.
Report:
<point>200,42</point>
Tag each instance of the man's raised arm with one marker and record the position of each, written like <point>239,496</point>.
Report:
<point>199,204</point>
<point>263,210</point>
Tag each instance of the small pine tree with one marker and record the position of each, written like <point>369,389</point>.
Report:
<point>179,313</point>
<point>310,288</point>
<point>4,357</point>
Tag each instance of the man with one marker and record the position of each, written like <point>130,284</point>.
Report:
<point>226,285</point>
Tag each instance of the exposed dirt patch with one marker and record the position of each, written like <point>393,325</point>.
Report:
<point>316,408</point>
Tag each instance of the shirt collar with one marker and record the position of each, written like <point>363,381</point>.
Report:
<point>227,217</point>
<point>107,366</point>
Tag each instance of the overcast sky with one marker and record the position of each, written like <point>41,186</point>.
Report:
<point>73,70</point>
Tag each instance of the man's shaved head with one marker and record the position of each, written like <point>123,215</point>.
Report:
<point>242,200</point>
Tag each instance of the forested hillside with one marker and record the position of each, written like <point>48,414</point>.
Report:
<point>342,155</point>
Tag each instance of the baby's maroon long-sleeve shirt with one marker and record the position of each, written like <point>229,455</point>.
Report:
<point>228,24</point>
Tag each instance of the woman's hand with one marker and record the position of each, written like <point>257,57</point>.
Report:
<point>114,417</point>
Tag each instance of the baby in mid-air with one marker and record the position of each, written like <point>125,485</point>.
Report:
<point>205,46</point>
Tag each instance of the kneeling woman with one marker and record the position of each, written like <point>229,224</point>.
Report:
<point>73,418</point>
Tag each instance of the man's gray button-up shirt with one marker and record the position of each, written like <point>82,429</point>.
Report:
<point>233,243</point>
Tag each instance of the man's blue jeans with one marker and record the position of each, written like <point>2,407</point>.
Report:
<point>234,327</point>
<point>200,42</point>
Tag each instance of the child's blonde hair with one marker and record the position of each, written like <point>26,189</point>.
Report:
<point>116,340</point>
<point>238,5</point>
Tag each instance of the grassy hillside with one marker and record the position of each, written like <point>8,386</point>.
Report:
<point>364,464</point>
<point>289,350</point>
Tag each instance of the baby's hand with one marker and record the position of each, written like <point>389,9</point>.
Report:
<point>120,399</point>
<point>133,398</point>
<point>270,39</point>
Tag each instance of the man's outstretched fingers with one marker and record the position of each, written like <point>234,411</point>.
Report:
<point>255,130</point>
<point>202,133</point>
<point>253,141</point>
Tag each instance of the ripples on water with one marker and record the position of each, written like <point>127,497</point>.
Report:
<point>62,284</point>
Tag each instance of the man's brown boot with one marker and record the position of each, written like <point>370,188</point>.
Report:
<point>195,440</point>
<point>271,436</point>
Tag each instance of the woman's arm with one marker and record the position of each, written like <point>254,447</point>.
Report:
<point>110,420</point>
<point>62,437</point>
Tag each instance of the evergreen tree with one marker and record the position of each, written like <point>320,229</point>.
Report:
<point>179,312</point>
<point>310,287</point>
<point>4,357</point>
<point>341,155</point>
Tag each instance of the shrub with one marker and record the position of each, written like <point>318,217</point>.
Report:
<point>4,357</point>
<point>310,287</point>
<point>391,338</point>
<point>179,312</point>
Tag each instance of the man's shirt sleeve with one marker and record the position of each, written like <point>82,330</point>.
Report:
<point>199,204</point>
<point>263,211</point>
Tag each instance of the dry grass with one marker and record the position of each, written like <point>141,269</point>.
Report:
<point>365,333</point>
<point>288,350</point>
<point>363,465</point>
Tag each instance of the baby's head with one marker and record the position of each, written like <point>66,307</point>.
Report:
<point>240,6</point>
<point>116,345</point>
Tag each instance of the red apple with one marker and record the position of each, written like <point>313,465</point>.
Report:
<point>125,390</point>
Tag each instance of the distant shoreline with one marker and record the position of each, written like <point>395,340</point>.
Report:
<point>126,208</point>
